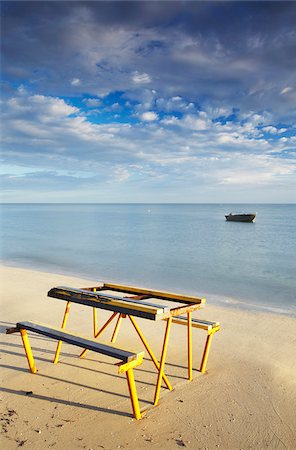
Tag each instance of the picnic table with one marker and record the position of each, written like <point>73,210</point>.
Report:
<point>133,302</point>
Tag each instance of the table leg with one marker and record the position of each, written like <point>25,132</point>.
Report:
<point>64,323</point>
<point>162,360</point>
<point>189,341</point>
<point>95,321</point>
<point>116,329</point>
<point>149,350</point>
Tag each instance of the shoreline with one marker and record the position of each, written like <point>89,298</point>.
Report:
<point>246,399</point>
<point>222,301</point>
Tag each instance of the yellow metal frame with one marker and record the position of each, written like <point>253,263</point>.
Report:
<point>128,369</point>
<point>162,360</point>
<point>207,348</point>
<point>95,319</point>
<point>171,316</point>
<point>64,323</point>
<point>153,293</point>
<point>116,329</point>
<point>189,344</point>
<point>28,351</point>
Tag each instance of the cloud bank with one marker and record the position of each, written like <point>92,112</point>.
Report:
<point>149,101</point>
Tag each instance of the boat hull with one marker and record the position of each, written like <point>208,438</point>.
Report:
<point>240,217</point>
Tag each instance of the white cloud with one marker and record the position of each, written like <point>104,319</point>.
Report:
<point>170,120</point>
<point>45,131</point>
<point>141,78</point>
<point>149,116</point>
<point>38,107</point>
<point>93,102</point>
<point>21,89</point>
<point>215,112</point>
<point>228,138</point>
<point>174,104</point>
<point>198,123</point>
<point>121,174</point>
<point>75,82</point>
<point>250,170</point>
<point>51,106</point>
<point>273,130</point>
<point>30,129</point>
<point>286,90</point>
<point>270,129</point>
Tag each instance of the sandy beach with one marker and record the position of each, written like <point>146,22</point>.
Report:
<point>246,399</point>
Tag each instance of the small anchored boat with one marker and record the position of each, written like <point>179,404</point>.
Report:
<point>242,217</point>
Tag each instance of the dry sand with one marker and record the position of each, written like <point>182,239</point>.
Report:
<point>246,400</point>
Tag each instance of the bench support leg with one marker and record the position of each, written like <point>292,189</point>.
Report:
<point>116,329</point>
<point>189,341</point>
<point>162,360</point>
<point>28,351</point>
<point>206,353</point>
<point>149,350</point>
<point>82,354</point>
<point>64,323</point>
<point>133,393</point>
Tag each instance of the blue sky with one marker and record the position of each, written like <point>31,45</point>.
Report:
<point>148,101</point>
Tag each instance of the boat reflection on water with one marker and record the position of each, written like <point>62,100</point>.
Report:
<point>243,217</point>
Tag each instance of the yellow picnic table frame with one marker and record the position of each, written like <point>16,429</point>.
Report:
<point>133,302</point>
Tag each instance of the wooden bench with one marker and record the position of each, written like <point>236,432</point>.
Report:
<point>210,327</point>
<point>129,359</point>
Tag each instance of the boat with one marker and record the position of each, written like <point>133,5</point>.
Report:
<point>242,217</point>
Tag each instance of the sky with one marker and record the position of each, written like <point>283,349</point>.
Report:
<point>158,101</point>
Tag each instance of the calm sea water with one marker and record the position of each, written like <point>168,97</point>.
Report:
<point>183,248</point>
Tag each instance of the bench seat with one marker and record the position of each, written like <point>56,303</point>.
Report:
<point>128,359</point>
<point>210,327</point>
<point>78,340</point>
<point>197,323</point>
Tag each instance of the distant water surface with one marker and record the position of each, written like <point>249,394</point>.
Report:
<point>188,248</point>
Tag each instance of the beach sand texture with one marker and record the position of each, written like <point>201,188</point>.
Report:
<point>246,400</point>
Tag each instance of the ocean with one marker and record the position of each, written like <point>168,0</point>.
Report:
<point>187,248</point>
